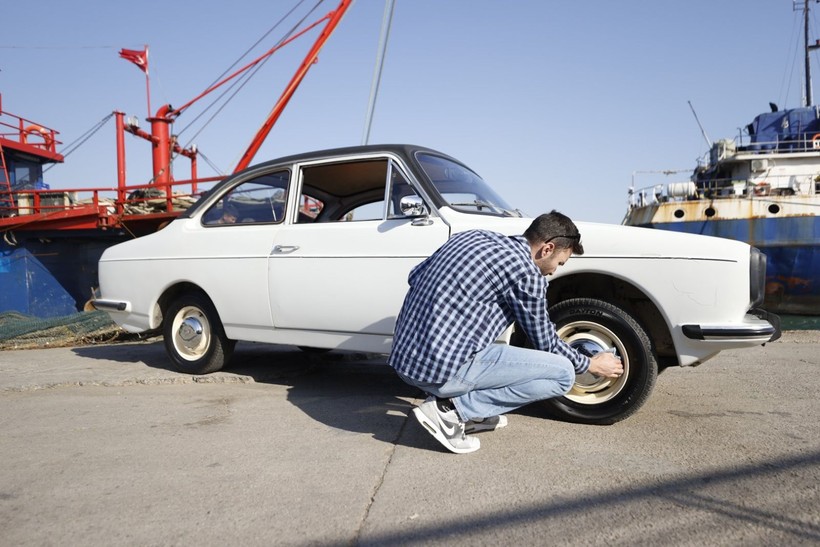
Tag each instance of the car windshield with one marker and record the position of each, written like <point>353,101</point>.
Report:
<point>462,189</point>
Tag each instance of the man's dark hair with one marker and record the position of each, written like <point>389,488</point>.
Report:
<point>558,228</point>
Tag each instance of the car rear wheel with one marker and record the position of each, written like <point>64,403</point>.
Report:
<point>593,326</point>
<point>194,337</point>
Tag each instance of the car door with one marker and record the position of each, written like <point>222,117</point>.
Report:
<point>229,249</point>
<point>346,270</point>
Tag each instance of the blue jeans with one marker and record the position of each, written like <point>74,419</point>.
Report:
<point>501,378</point>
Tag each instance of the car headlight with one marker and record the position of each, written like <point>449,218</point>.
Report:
<point>757,277</point>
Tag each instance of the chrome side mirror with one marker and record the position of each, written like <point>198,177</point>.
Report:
<point>412,206</point>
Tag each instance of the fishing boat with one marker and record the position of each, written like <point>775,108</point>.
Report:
<point>51,239</point>
<point>762,188</point>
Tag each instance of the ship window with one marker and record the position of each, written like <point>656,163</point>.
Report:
<point>774,208</point>
<point>26,175</point>
<point>679,213</point>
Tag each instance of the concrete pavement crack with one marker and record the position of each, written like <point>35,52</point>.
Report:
<point>379,482</point>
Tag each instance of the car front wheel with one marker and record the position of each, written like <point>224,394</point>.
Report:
<point>194,337</point>
<point>592,326</point>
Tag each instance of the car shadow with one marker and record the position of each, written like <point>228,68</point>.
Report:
<point>150,353</point>
<point>350,391</point>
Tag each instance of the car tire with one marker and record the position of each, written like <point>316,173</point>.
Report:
<point>596,326</point>
<point>194,337</point>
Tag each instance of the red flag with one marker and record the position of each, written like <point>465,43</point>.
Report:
<point>139,58</point>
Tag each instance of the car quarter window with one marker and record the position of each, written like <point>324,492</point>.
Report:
<point>260,200</point>
<point>352,191</point>
<point>399,188</point>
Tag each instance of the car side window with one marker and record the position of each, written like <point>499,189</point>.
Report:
<point>344,191</point>
<point>256,201</point>
<point>353,191</point>
<point>366,211</point>
<point>309,209</point>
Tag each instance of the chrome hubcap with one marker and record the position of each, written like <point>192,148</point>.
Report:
<point>590,389</point>
<point>192,333</point>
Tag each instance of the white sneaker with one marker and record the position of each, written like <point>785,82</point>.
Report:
<point>486,424</point>
<point>445,427</point>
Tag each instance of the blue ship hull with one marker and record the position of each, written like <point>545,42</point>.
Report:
<point>52,273</point>
<point>792,249</point>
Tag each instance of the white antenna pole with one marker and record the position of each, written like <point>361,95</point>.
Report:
<point>702,131</point>
<point>387,19</point>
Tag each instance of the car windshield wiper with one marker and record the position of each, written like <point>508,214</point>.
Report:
<point>479,203</point>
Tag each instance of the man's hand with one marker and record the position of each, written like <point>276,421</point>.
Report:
<point>606,364</point>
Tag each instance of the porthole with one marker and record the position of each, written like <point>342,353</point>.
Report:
<point>679,213</point>
<point>709,212</point>
<point>774,208</point>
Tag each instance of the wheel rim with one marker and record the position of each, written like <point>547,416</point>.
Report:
<point>191,333</point>
<point>590,389</point>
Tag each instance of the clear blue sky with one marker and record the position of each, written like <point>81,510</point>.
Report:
<point>555,102</point>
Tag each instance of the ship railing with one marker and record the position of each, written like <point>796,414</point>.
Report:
<point>722,189</point>
<point>24,131</point>
<point>661,193</point>
<point>726,148</point>
<point>173,197</point>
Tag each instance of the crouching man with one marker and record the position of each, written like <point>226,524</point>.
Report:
<point>460,300</point>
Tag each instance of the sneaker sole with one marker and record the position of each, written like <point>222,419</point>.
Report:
<point>433,429</point>
<point>477,428</point>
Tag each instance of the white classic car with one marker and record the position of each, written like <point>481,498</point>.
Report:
<point>314,250</point>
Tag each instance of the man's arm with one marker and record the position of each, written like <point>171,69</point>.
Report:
<point>528,302</point>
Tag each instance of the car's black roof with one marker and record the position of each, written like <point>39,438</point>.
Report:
<point>401,149</point>
<point>404,150</point>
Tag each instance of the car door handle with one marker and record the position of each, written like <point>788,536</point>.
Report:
<point>284,249</point>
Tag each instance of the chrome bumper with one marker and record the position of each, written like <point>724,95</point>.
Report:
<point>109,305</point>
<point>758,324</point>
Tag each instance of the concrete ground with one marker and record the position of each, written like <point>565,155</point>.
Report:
<point>103,445</point>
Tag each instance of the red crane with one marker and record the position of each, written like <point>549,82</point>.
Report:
<point>163,143</point>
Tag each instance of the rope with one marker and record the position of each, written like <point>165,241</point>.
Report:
<point>216,169</point>
<point>235,87</point>
<point>245,77</point>
<point>79,141</point>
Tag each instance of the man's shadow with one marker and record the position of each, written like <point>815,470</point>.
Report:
<point>350,391</point>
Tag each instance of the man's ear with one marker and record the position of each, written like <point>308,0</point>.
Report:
<point>546,250</point>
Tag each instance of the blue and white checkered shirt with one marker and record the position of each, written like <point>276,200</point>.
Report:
<point>463,297</point>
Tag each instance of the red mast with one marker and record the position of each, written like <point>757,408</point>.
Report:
<point>333,19</point>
